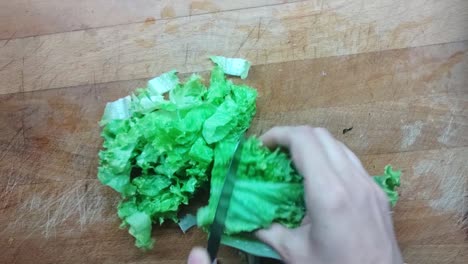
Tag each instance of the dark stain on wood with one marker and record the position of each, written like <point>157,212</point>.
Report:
<point>346,130</point>
<point>145,43</point>
<point>150,21</point>
<point>444,67</point>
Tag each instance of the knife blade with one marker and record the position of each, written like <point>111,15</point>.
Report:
<point>217,227</point>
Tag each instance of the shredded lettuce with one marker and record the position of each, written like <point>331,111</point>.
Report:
<point>160,141</point>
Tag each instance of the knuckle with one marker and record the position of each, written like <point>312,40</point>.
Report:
<point>323,132</point>
<point>306,129</point>
<point>275,130</point>
<point>303,133</point>
<point>336,200</point>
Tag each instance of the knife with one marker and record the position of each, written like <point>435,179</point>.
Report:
<point>217,227</point>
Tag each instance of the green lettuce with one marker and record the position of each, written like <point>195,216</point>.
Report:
<point>160,142</point>
<point>267,189</point>
<point>389,181</point>
<point>264,179</point>
<point>232,66</point>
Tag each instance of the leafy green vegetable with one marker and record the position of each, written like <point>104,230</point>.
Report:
<point>160,142</point>
<point>119,109</point>
<point>267,180</point>
<point>163,83</point>
<point>140,228</point>
<point>233,66</point>
<point>187,222</point>
<point>389,181</point>
<point>248,243</point>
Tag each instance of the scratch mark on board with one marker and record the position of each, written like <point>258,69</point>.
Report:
<point>444,138</point>
<point>244,41</point>
<point>6,193</point>
<point>410,133</point>
<point>9,38</point>
<point>186,54</point>
<point>10,144</point>
<point>6,65</point>
<point>446,183</point>
<point>76,205</point>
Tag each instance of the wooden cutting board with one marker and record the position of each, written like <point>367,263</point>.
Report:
<point>396,72</point>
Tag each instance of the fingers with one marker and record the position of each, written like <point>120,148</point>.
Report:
<point>331,171</point>
<point>352,157</point>
<point>198,256</point>
<point>304,143</point>
<point>275,236</point>
<point>291,244</point>
<point>316,154</point>
<point>277,137</point>
<point>339,195</point>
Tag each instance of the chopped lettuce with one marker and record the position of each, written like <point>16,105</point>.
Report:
<point>389,181</point>
<point>160,142</point>
<point>163,83</point>
<point>119,109</point>
<point>232,66</point>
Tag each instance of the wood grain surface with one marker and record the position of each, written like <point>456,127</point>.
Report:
<point>394,71</point>
<point>25,18</point>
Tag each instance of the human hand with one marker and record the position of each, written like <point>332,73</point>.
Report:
<point>198,256</point>
<point>348,216</point>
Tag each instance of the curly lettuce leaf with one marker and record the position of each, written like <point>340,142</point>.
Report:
<point>265,179</point>
<point>140,228</point>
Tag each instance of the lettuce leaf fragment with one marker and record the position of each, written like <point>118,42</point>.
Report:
<point>232,66</point>
<point>117,110</point>
<point>389,182</point>
<point>163,83</point>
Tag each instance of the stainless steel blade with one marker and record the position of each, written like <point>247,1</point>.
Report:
<point>217,227</point>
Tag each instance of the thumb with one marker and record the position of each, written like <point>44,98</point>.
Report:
<point>198,256</point>
<point>277,236</point>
